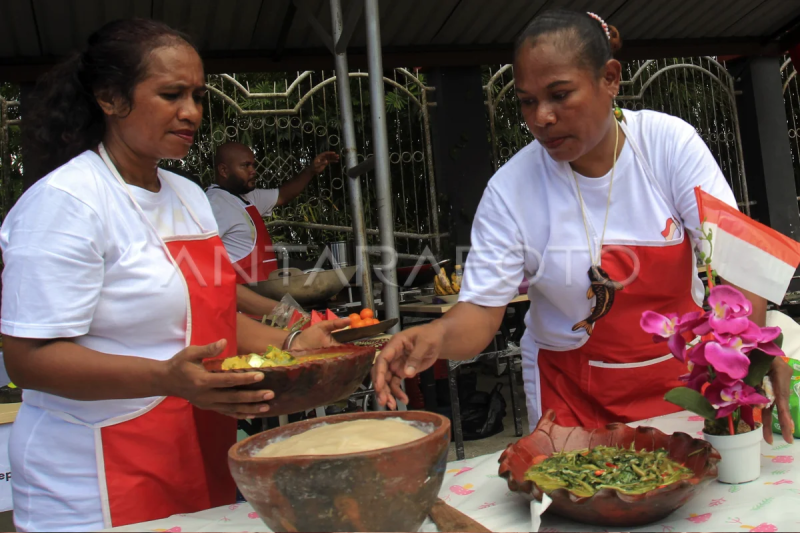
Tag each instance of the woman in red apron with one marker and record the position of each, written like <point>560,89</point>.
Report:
<point>599,214</point>
<point>117,286</point>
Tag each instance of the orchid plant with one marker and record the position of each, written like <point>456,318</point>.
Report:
<point>727,368</point>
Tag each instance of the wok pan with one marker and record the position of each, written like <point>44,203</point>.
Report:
<point>306,289</point>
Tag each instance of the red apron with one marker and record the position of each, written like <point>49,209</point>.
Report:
<point>261,261</point>
<point>620,374</point>
<point>171,458</point>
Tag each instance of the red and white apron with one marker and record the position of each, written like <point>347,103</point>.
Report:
<point>620,374</point>
<point>261,261</point>
<point>170,457</point>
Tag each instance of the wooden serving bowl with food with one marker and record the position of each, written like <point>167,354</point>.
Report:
<point>618,476</point>
<point>345,472</point>
<point>303,379</point>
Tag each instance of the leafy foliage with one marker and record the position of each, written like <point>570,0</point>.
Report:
<point>693,401</point>
<point>10,157</point>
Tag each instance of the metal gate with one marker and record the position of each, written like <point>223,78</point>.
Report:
<point>10,160</point>
<point>791,99</point>
<point>288,121</point>
<point>699,90</point>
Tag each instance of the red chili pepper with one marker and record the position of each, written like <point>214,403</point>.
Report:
<point>664,474</point>
<point>662,486</point>
<point>611,465</point>
<point>599,472</point>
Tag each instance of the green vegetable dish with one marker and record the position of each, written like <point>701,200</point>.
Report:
<point>584,472</point>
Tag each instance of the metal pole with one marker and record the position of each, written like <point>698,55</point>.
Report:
<point>434,203</point>
<point>381,152</point>
<point>351,158</point>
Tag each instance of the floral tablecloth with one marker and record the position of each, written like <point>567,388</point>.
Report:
<point>771,503</point>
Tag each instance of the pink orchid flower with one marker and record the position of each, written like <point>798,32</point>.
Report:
<point>762,339</point>
<point>697,376</point>
<point>726,358</point>
<point>662,327</point>
<point>729,395</point>
<point>670,328</point>
<point>729,336</point>
<point>729,311</point>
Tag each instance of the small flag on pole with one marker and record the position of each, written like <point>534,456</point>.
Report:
<point>746,253</point>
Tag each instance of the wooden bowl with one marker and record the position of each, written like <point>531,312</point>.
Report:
<point>356,334</point>
<point>608,507</point>
<point>306,289</point>
<point>312,383</point>
<point>391,489</point>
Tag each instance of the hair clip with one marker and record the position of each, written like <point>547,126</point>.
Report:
<point>602,23</point>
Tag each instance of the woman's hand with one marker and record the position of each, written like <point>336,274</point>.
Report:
<point>319,335</point>
<point>185,377</point>
<point>409,352</point>
<point>780,374</point>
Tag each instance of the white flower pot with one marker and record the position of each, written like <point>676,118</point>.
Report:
<point>741,455</point>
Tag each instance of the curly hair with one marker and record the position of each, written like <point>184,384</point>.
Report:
<point>64,118</point>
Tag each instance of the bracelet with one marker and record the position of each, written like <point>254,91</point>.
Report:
<point>287,344</point>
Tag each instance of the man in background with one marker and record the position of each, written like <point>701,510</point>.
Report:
<point>240,208</point>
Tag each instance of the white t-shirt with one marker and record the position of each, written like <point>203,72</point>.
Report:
<point>529,223</point>
<point>80,262</point>
<point>235,225</point>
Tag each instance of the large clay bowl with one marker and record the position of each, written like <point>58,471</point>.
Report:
<point>609,507</point>
<point>313,383</point>
<point>392,489</point>
<point>306,289</point>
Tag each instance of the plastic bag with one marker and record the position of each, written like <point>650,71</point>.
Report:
<point>794,400</point>
<point>482,414</point>
<point>791,347</point>
<point>287,315</point>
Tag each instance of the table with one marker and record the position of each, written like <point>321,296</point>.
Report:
<point>511,353</point>
<point>440,309</point>
<point>768,504</point>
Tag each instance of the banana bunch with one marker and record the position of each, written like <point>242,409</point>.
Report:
<point>443,286</point>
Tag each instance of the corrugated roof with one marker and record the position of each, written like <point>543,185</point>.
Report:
<point>38,31</point>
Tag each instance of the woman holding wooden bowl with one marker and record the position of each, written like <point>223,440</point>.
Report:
<point>117,286</point>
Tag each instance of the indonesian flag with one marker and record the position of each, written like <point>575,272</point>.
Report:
<point>745,253</point>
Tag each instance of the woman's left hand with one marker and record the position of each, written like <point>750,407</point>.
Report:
<point>781,376</point>
<point>319,335</point>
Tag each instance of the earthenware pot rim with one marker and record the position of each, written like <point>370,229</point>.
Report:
<point>356,352</point>
<point>438,432</point>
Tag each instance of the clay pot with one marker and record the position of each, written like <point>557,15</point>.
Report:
<point>608,507</point>
<point>392,489</point>
<point>313,383</point>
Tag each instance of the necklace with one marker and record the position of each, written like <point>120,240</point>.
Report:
<point>601,287</point>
